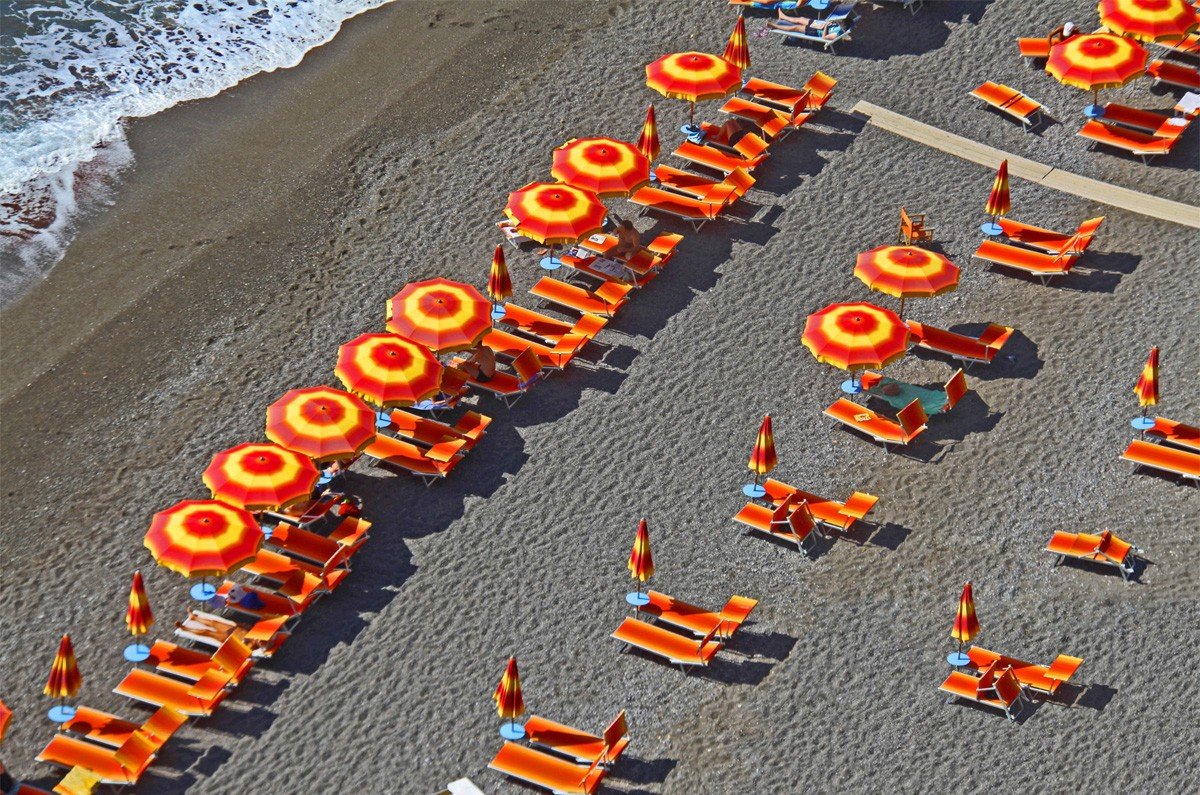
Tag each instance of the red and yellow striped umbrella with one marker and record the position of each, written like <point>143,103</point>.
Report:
<point>509,703</point>
<point>998,202</point>
<point>603,166</point>
<point>1147,383</point>
<point>203,538</point>
<point>966,625</point>
<point>1148,20</point>
<point>737,51</point>
<point>762,458</point>
<point>260,476</point>
<point>440,314</point>
<point>323,423</point>
<point>1096,61</point>
<point>641,563</point>
<point>855,336</point>
<point>499,284</point>
<point>648,141</point>
<point>554,213</point>
<point>906,272</point>
<point>693,76</point>
<point>138,616</point>
<point>388,370</point>
<point>64,680</point>
<point>5,717</point>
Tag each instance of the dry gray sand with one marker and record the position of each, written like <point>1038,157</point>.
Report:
<point>114,404</point>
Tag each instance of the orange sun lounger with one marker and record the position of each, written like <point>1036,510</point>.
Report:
<point>1038,47</point>
<point>577,744</point>
<point>121,766</point>
<point>1043,266</point>
<point>1105,549</point>
<point>429,464</point>
<point>1162,125</point>
<point>1141,144</point>
<point>1047,239</point>
<point>993,688</point>
<point>107,729</point>
<point>310,546</point>
<point>548,329</point>
<point>301,582</point>
<point>770,121</point>
<point>792,520</point>
<point>747,153</point>
<point>77,781</point>
<point>509,387</point>
<point>911,422</point>
<point>641,268</point>
<point>351,532</point>
<point>289,598</point>
<point>557,356</point>
<point>469,429</point>
<point>793,101</point>
<point>967,350</point>
<point>831,513</point>
<point>1046,678</point>
<point>1175,74</point>
<point>232,657</point>
<point>1189,44</point>
<point>605,300</point>
<point>1176,433</point>
<point>1010,101</point>
<point>196,699</point>
<point>734,186</point>
<point>264,638</point>
<point>671,646</point>
<point>695,212</point>
<point>546,771</point>
<point>1168,459</point>
<point>697,620</point>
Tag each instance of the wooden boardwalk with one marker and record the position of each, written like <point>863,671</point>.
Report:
<point>1095,190</point>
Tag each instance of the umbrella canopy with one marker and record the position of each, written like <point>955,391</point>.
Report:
<point>321,422</point>
<point>737,52</point>
<point>1148,20</point>
<point>260,476</point>
<point>554,213</point>
<point>200,538</point>
<point>906,271</point>
<point>641,564</point>
<point>1147,383</point>
<point>499,284</point>
<point>5,717</point>
<point>855,336</point>
<point>604,166</point>
<point>966,625</point>
<point>762,458</point>
<point>388,370</point>
<point>998,202</point>
<point>440,314</point>
<point>1096,61</point>
<point>693,76</point>
<point>509,703</point>
<point>138,617</point>
<point>64,680</point>
<point>648,141</point>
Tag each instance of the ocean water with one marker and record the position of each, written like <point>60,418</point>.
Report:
<point>71,72</point>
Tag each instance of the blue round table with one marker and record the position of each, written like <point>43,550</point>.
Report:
<point>754,491</point>
<point>61,714</point>
<point>202,591</point>
<point>958,659</point>
<point>851,387</point>
<point>1142,423</point>
<point>137,652</point>
<point>637,599</point>
<point>991,229</point>
<point>512,731</point>
<point>1093,111</point>
<point>550,263</point>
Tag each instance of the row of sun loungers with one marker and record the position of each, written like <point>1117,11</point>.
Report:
<point>1042,252</point>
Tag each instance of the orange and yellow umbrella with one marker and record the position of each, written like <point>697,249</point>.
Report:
<point>1147,383</point>
<point>554,213</point>
<point>648,140</point>
<point>509,703</point>
<point>1148,20</point>
<point>260,476</point>
<point>641,563</point>
<point>5,717</point>
<point>998,202</point>
<point>855,336</point>
<point>202,538</point>
<point>1096,61</point>
<point>966,625</point>
<point>737,51</point>
<point>693,76</point>
<point>322,423</point>
<point>762,458</point>
<point>138,618</point>
<point>64,680</point>
<point>603,166</point>
<point>499,284</point>
<point>440,314</point>
<point>906,272</point>
<point>388,370</point>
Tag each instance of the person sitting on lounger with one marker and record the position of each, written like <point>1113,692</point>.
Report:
<point>629,242</point>
<point>480,365</point>
<point>243,597</point>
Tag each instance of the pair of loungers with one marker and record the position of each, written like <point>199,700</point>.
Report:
<point>1035,48</point>
<point>105,749</point>
<point>574,761</point>
<point>1000,682</point>
<point>1044,253</point>
<point>827,32</point>
<point>708,631</point>
<point>691,197</point>
<point>910,422</point>
<point>794,515</point>
<point>1177,451</point>
<point>1144,133</point>
<point>1105,549</point>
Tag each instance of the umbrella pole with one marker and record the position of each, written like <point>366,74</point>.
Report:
<point>901,307</point>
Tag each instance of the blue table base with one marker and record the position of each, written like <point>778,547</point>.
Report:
<point>512,731</point>
<point>851,387</point>
<point>1093,111</point>
<point>958,659</point>
<point>61,713</point>
<point>498,313</point>
<point>1142,423</point>
<point>202,591</point>
<point>991,229</point>
<point>137,652</point>
<point>382,420</point>
<point>550,263</point>
<point>754,491</point>
<point>267,531</point>
<point>637,599</point>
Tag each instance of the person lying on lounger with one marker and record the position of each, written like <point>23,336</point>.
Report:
<point>806,25</point>
<point>732,131</point>
<point>480,365</point>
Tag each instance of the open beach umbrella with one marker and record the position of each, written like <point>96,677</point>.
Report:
<point>139,619</point>
<point>389,371</point>
<point>762,458</point>
<point>604,166</point>
<point>998,202</point>
<point>1146,390</point>
<point>966,625</point>
<point>509,703</point>
<point>906,272</point>
<point>441,314</point>
<point>648,139</point>
<point>737,51</point>
<point>641,564</point>
<point>553,213</point>
<point>5,717</point>
<point>693,76</point>
<point>203,538</point>
<point>499,284</point>
<point>855,336</point>
<point>64,681</point>
<point>260,476</point>
<point>1148,20</point>
<point>1095,61</point>
<point>321,422</point>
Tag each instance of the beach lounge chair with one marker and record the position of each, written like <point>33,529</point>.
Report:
<point>1105,549</point>
<point>1145,146</point>
<point>968,350</point>
<point>792,101</point>
<point>1047,239</point>
<point>509,387</point>
<point>577,744</point>
<point>747,154</point>
<point>771,122</point>
<point>1043,266</point>
<point>913,230</point>
<point>993,688</point>
<point>305,514</point>
<point>290,598</point>
<point>734,186</point>
<point>121,766</point>
<point>556,356</point>
<point>697,620</point>
<point>233,657</point>
<point>264,637</point>
<point>839,516</point>
<point>508,228</point>
<point>642,267</point>
<point>1037,47</point>
<point>605,300</point>
<point>1186,45</point>
<point>1167,459</point>
<point>270,565</point>
<point>107,729</point>
<point>820,88</point>
<point>549,772</point>
<point>671,646</point>
<point>836,25</point>
<point>469,428</point>
<point>195,699</point>
<point>547,329</point>
<point>77,781</point>
<point>1175,74</point>
<point>1046,678</point>
<point>1010,101</point>
<point>309,546</point>
<point>351,532</point>
<point>695,212</point>
<point>429,464</point>
<point>1176,433</point>
<point>791,520</point>
<point>910,424</point>
<point>1162,125</point>
<point>931,401</point>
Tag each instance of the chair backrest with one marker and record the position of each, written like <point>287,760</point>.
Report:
<point>750,146</point>
<point>163,723</point>
<point>801,521</point>
<point>592,769</point>
<point>956,387</point>
<point>987,678</point>
<point>528,366</point>
<point>1008,687</point>
<point>780,515</point>
<point>906,223</point>
<point>1089,228</point>
<point>912,417</point>
<point>134,754</point>
<point>231,655</point>
<point>78,781</point>
<point>209,686</point>
<point>740,179</point>
<point>820,85</point>
<point>1074,244</point>
<point>453,380</point>
<point>616,730</point>
<point>707,639</point>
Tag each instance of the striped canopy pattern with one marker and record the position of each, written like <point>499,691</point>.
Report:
<point>441,314</point>
<point>641,564</point>
<point>906,271</point>
<point>855,336</point>
<point>998,202</point>
<point>64,680</point>
<point>762,457</point>
<point>203,538</point>
<point>138,617</point>
<point>1149,20</point>
<point>966,625</point>
<point>648,141</point>
<point>388,370</point>
<point>260,476</point>
<point>693,76</point>
<point>321,422</point>
<point>509,703</point>
<point>603,166</point>
<point>1095,61</point>
<point>5,717</point>
<point>737,51</point>
<point>1147,383</point>
<point>499,284</point>
<point>553,213</point>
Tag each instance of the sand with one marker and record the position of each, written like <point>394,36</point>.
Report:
<point>135,361</point>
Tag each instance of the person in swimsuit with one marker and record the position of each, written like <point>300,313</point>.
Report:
<point>480,365</point>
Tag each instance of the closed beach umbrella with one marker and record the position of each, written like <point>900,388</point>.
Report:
<point>1096,61</point>
<point>641,564</point>
<point>389,371</point>
<point>509,703</point>
<point>203,538</point>
<point>737,51</point>
<point>604,166</point>
<point>5,717</point>
<point>1148,20</point>
<point>998,202</point>
<point>966,625</point>
<point>855,336</point>
<point>554,214</point>
<point>762,458</point>
<point>906,272</point>
<point>648,140</point>
<point>64,680</point>
<point>693,76</point>
<point>138,618</point>
<point>321,422</point>
<point>1146,390</point>
<point>499,284</point>
<point>441,314</point>
<point>260,476</point>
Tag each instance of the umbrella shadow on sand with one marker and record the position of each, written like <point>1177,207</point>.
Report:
<point>799,155</point>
